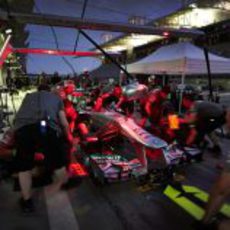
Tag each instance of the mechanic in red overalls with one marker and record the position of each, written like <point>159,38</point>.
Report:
<point>107,99</point>
<point>152,107</point>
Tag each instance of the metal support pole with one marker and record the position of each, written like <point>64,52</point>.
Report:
<point>209,74</point>
<point>181,92</point>
<point>105,53</point>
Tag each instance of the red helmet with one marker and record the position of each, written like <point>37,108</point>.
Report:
<point>117,91</point>
<point>69,87</point>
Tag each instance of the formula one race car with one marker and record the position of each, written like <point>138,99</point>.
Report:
<point>154,154</point>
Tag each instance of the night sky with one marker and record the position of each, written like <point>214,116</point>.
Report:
<point>109,10</point>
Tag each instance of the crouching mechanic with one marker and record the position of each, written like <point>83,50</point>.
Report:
<point>40,121</point>
<point>204,117</point>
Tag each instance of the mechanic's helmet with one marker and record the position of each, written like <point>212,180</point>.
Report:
<point>69,87</point>
<point>117,91</point>
<point>135,91</point>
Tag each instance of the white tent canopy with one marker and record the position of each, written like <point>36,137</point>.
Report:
<point>178,59</point>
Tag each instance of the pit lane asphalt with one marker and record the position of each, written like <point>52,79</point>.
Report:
<point>120,206</point>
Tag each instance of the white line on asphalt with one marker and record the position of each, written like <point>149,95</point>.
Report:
<point>60,213</point>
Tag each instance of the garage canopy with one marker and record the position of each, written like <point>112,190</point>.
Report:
<point>179,58</point>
